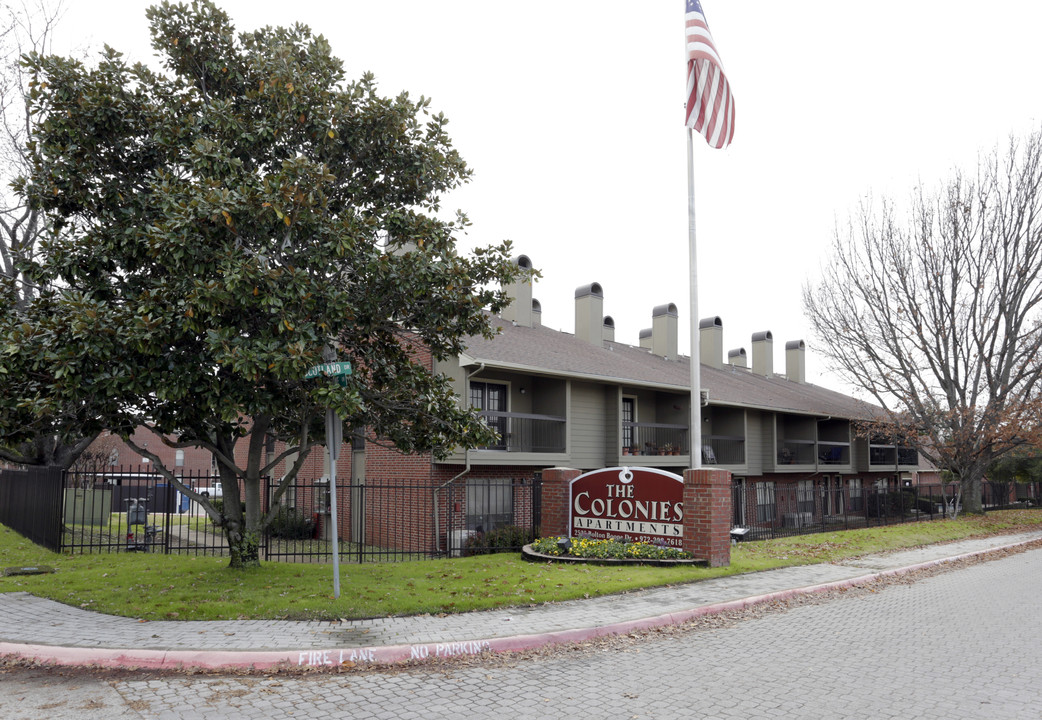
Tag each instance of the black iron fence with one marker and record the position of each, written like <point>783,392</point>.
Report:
<point>139,511</point>
<point>764,510</point>
<point>30,503</point>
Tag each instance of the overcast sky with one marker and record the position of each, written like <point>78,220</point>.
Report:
<point>571,115</point>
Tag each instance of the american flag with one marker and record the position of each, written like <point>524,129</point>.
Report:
<point>710,106</point>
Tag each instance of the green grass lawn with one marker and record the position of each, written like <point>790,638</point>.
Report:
<point>158,587</point>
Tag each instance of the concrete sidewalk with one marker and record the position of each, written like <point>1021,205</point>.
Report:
<point>46,631</point>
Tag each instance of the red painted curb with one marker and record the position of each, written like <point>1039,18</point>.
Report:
<point>326,659</point>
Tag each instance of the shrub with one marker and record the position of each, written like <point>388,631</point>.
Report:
<point>218,505</point>
<point>290,524</point>
<point>890,504</point>
<point>503,539</point>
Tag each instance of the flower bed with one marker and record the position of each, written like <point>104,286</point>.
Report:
<point>607,551</point>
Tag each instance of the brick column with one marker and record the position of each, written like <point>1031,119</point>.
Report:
<point>707,515</point>
<point>555,501</point>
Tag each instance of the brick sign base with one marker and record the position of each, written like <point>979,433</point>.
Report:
<point>704,515</point>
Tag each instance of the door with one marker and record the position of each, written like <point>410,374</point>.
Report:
<point>492,398</point>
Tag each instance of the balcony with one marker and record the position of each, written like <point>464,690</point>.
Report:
<point>796,452</point>
<point>525,432</point>
<point>882,455</point>
<point>655,438</point>
<point>833,453</point>
<point>907,456</point>
<point>723,450</point>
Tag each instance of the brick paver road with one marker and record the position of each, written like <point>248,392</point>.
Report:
<point>961,644</point>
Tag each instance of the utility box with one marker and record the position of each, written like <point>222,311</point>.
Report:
<point>88,506</point>
<point>136,512</point>
<point>322,509</point>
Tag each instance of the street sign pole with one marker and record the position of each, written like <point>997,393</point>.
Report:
<point>334,438</point>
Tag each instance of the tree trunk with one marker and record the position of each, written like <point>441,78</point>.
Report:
<point>243,547</point>
<point>971,494</point>
<point>243,540</point>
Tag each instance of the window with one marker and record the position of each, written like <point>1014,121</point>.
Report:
<point>491,398</point>
<point>490,503</point>
<point>805,496</point>
<point>765,510</point>
<point>856,501</point>
<point>836,496</point>
<point>179,458</point>
<point>289,498</point>
<point>629,416</point>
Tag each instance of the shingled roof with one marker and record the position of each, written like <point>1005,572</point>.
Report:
<point>544,351</point>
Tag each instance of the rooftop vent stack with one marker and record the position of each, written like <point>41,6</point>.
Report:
<point>609,328</point>
<point>763,353</point>
<point>796,361</point>
<point>737,358</point>
<point>589,314</point>
<point>519,310</point>
<point>645,338</point>
<point>711,342</point>
<point>537,314</point>
<point>664,331</point>
<point>396,247</point>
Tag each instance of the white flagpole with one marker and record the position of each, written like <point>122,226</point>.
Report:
<point>696,385</point>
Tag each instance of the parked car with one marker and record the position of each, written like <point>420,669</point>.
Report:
<point>213,491</point>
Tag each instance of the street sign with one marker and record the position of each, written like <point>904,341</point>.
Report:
<point>330,369</point>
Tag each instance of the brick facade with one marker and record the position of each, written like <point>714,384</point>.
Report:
<point>109,451</point>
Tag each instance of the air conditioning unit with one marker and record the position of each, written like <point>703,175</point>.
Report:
<point>458,540</point>
<point>798,519</point>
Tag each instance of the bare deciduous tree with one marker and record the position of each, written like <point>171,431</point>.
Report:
<point>937,315</point>
<point>48,438</point>
<point>23,29</point>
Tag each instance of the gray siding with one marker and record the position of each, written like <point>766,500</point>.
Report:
<point>754,442</point>
<point>612,422</point>
<point>587,426</point>
<point>769,447</point>
<point>859,454</point>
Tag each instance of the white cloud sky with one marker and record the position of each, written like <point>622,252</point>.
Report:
<point>571,114</point>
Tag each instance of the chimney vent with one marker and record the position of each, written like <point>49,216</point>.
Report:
<point>589,314</point>
<point>664,331</point>
<point>737,358</point>
<point>519,310</point>
<point>609,328</point>
<point>763,353</point>
<point>711,342</point>
<point>796,361</point>
<point>537,313</point>
<point>645,338</point>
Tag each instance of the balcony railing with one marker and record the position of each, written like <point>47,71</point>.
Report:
<point>723,450</point>
<point>655,438</point>
<point>522,432</point>
<point>830,453</point>
<point>796,452</point>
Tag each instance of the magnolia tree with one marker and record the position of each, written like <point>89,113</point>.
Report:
<point>221,223</point>
<point>937,315</point>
